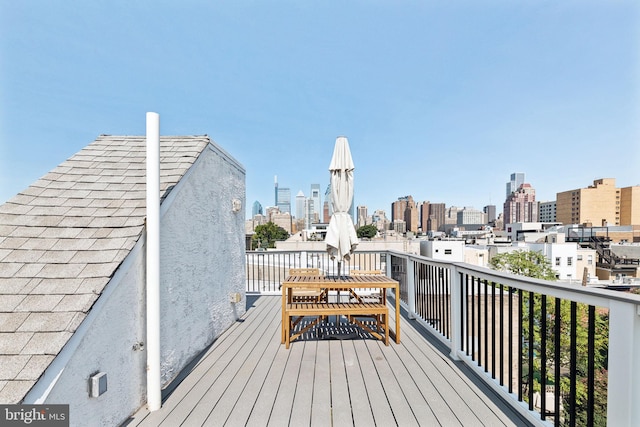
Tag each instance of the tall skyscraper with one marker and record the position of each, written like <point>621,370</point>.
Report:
<point>405,209</point>
<point>424,216</point>
<point>437,212</point>
<point>315,196</point>
<point>256,209</point>
<point>283,199</point>
<point>327,200</point>
<point>275,194</point>
<point>517,179</point>
<point>301,202</point>
<point>362,216</point>
<point>521,206</point>
<point>326,216</point>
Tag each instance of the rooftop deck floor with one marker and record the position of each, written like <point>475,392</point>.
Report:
<point>247,378</point>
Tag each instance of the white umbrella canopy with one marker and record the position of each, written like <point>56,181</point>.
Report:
<point>341,236</point>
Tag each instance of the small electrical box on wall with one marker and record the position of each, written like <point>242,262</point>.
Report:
<point>98,384</point>
<point>235,297</point>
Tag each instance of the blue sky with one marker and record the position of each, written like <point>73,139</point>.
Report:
<point>439,100</point>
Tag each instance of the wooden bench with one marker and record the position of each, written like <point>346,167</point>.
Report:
<point>323,309</point>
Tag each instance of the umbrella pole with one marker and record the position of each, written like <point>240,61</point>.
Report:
<point>338,319</point>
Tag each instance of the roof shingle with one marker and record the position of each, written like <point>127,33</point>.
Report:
<point>63,238</point>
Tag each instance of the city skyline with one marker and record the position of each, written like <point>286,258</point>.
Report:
<point>440,101</point>
<point>499,206</point>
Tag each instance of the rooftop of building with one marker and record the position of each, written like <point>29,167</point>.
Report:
<point>63,238</point>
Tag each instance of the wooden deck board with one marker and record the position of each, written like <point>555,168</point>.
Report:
<point>229,378</point>
<point>303,398</point>
<point>388,375</point>
<point>378,399</point>
<point>340,399</point>
<point>248,378</point>
<point>190,393</point>
<point>265,401</point>
<point>253,388</point>
<point>452,387</point>
<point>360,405</point>
<point>281,412</point>
<point>321,405</point>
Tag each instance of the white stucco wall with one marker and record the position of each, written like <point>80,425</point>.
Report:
<point>437,249</point>
<point>202,262</point>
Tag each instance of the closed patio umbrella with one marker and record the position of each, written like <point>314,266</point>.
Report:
<point>341,236</point>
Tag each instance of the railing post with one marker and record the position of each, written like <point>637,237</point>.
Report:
<point>411,288</point>
<point>303,259</point>
<point>624,365</point>
<point>388,269</point>
<point>456,323</point>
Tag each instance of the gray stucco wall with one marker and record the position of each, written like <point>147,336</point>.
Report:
<point>202,263</point>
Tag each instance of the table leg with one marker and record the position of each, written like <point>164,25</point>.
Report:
<point>284,306</point>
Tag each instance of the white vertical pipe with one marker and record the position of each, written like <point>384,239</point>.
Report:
<point>154,395</point>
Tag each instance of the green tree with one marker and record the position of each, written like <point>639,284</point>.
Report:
<point>534,264</point>
<point>524,263</point>
<point>367,231</point>
<point>266,235</point>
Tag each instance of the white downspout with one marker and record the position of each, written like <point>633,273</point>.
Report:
<point>154,395</point>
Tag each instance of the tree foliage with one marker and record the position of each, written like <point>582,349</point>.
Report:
<point>266,235</point>
<point>534,264</point>
<point>524,263</point>
<point>367,231</point>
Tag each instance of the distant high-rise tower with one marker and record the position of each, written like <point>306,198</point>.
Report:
<point>405,210</point>
<point>424,216</point>
<point>315,196</point>
<point>256,209</point>
<point>301,202</point>
<point>521,206</point>
<point>517,179</point>
<point>327,200</point>
<point>362,216</point>
<point>326,216</point>
<point>283,200</point>
<point>275,194</point>
<point>437,213</point>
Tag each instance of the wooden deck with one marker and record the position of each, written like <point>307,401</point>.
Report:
<point>247,378</point>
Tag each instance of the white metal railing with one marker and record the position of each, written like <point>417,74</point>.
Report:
<point>492,322</point>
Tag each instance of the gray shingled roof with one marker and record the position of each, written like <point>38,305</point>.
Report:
<point>62,239</point>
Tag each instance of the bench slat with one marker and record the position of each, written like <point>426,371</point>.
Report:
<point>322,309</point>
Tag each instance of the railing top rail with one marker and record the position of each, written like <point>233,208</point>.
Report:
<point>280,251</point>
<point>577,292</point>
<point>595,296</point>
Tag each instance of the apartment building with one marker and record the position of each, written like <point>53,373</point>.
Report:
<point>405,209</point>
<point>596,205</point>
<point>547,211</point>
<point>630,205</point>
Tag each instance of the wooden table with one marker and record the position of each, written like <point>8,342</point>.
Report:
<point>343,283</point>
